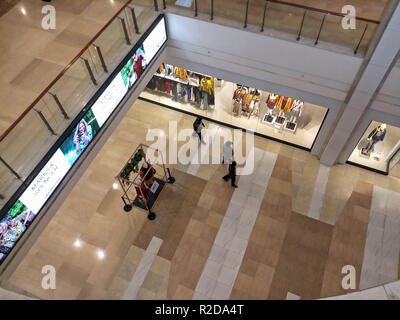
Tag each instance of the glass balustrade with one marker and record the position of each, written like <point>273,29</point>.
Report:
<point>286,20</point>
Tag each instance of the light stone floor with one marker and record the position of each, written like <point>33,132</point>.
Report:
<point>280,253</point>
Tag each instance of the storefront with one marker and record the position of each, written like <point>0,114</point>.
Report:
<point>286,119</point>
<point>378,149</point>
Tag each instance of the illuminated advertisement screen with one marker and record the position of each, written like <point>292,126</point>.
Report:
<point>23,211</point>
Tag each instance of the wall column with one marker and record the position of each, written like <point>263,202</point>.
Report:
<point>373,73</point>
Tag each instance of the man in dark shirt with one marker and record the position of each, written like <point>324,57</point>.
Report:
<point>232,174</point>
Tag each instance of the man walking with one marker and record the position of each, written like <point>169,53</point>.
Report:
<point>232,174</point>
<point>198,125</point>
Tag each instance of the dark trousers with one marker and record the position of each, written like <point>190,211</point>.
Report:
<point>199,134</point>
<point>232,177</point>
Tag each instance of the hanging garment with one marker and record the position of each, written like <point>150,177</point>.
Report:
<point>203,85</point>
<point>159,84</point>
<point>161,68</point>
<point>205,100</point>
<point>182,91</point>
<point>189,92</point>
<point>168,86</point>
<point>236,106</point>
<point>175,90</point>
<point>152,83</point>
<point>169,70</point>
<point>236,93</point>
<point>194,80</point>
<point>181,73</point>
<point>288,105</point>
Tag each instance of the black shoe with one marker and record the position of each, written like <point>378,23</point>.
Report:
<point>235,186</point>
<point>225,179</point>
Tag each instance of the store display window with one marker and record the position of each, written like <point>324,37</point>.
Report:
<point>377,147</point>
<point>269,114</point>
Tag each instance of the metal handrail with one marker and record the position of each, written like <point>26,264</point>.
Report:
<point>334,13</point>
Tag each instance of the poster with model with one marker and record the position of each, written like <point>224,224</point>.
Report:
<point>80,137</point>
<point>12,226</point>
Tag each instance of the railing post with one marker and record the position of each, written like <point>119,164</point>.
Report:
<point>103,63</point>
<point>15,174</point>
<point>89,70</point>
<point>59,105</point>
<point>45,121</point>
<point>212,10</point>
<point>195,8</point>
<point>247,13</point>
<point>320,29</point>
<point>301,26</point>
<point>263,20</point>
<point>155,5</point>
<point>134,20</point>
<point>125,30</point>
<point>362,37</point>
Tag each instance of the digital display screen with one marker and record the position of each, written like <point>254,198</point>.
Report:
<point>14,223</point>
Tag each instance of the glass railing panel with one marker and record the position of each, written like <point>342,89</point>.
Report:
<point>26,143</point>
<point>204,6</point>
<point>73,87</point>
<point>9,183</point>
<point>313,21</point>
<point>233,10</point>
<point>112,40</point>
<point>334,33</point>
<point>368,29</point>
<point>284,18</point>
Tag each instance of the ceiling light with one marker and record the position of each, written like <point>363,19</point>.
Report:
<point>100,254</point>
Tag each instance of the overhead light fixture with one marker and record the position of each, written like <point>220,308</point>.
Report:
<point>100,254</point>
<point>77,243</point>
<point>23,11</point>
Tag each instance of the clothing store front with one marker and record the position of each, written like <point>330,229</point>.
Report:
<point>286,119</point>
<point>378,149</point>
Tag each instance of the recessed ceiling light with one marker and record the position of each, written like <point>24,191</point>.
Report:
<point>77,243</point>
<point>100,254</point>
<point>23,11</point>
<point>115,186</point>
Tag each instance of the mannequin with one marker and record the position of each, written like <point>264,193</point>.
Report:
<point>376,135</point>
<point>296,110</point>
<point>255,103</point>
<point>271,102</point>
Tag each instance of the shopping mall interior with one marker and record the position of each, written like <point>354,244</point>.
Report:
<point>108,179</point>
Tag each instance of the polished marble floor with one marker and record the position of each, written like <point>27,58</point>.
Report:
<point>211,241</point>
<point>31,57</point>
